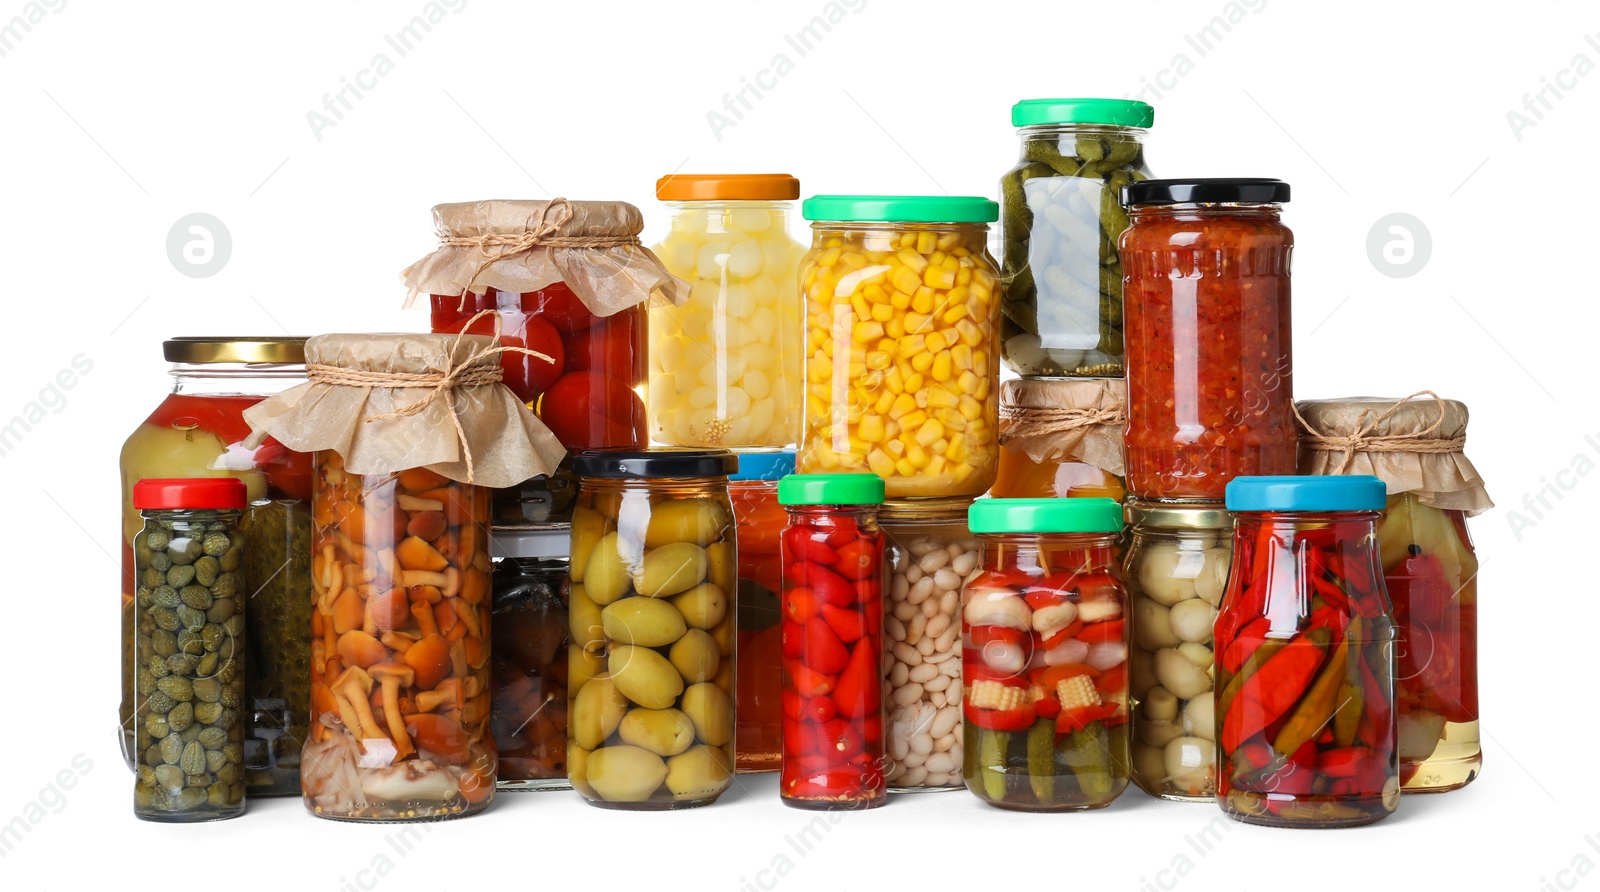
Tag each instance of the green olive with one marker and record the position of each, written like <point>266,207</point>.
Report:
<point>578,769</point>
<point>702,606</point>
<point>722,565</point>
<point>644,676</point>
<point>625,773</point>
<point>711,710</point>
<point>700,521</point>
<point>606,577</point>
<point>665,732</point>
<point>696,655</point>
<point>583,665</point>
<point>597,710</point>
<point>642,621</point>
<point>583,618</point>
<point>699,772</point>
<point>670,569</point>
<point>587,528</point>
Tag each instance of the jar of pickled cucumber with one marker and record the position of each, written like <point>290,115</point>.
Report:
<point>759,675</point>
<point>902,342</point>
<point>1063,214</point>
<point>725,365</point>
<point>1062,438</point>
<point>1177,568</point>
<point>654,568</point>
<point>528,655</point>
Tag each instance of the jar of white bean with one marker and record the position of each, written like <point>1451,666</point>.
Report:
<point>930,554</point>
<point>1177,570</point>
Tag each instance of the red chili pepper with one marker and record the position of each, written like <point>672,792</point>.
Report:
<point>799,604</point>
<point>1253,756</point>
<point>828,585</point>
<point>858,559</point>
<point>1377,714</point>
<point>1011,578</point>
<point>1293,776</point>
<point>848,624</point>
<point>868,590</point>
<point>808,682</point>
<point>823,651</point>
<point>795,742</point>
<point>802,547</point>
<point>1040,597</point>
<point>859,691</point>
<point>1266,696</point>
<point>793,640</point>
<point>1081,717</point>
<point>793,707</point>
<point>1095,633</point>
<point>1244,643</point>
<point>1113,680</point>
<point>978,636</point>
<point>1019,719</point>
<point>1047,707</point>
<point>1056,639</point>
<point>840,740</point>
<point>821,709</point>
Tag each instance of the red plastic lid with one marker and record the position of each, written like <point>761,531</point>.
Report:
<point>189,492</point>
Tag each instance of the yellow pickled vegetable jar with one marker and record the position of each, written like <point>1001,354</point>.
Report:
<point>902,349</point>
<point>725,366</point>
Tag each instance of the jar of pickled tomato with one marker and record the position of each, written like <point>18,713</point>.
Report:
<point>760,519</point>
<point>1062,438</point>
<point>528,656</point>
<point>725,365</point>
<point>902,342</point>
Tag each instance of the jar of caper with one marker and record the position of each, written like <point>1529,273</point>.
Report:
<point>189,683</point>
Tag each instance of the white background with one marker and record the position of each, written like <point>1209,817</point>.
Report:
<point>119,119</point>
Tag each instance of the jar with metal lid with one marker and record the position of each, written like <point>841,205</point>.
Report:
<point>931,554</point>
<point>725,365</point>
<point>902,342</point>
<point>1305,663</point>
<point>1177,569</point>
<point>760,519</point>
<point>653,618</point>
<point>189,645</point>
<point>529,655</point>
<point>198,430</point>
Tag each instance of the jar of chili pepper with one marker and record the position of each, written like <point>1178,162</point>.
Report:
<point>833,580</point>
<point>759,677</point>
<point>1206,267</point>
<point>528,659</point>
<point>1045,655</point>
<point>1305,657</point>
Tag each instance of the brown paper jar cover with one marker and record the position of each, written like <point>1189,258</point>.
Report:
<point>1065,419</point>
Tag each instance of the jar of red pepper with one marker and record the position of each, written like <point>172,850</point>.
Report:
<point>1305,657</point>
<point>833,581</point>
<point>1206,271</point>
<point>1045,655</point>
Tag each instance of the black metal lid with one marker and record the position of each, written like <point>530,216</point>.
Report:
<point>1243,190</point>
<point>655,463</point>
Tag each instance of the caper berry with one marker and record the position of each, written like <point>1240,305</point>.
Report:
<point>196,596</point>
<point>191,643</point>
<point>182,664</point>
<point>157,726</point>
<point>180,689</point>
<point>212,635</point>
<point>184,551</point>
<point>158,701</point>
<point>157,539</point>
<point>145,597</point>
<point>180,575</point>
<point>158,667</point>
<point>221,609</point>
<point>152,577</point>
<point>226,585</point>
<point>207,665</point>
<point>208,713</point>
<point>171,748</point>
<point>181,717</point>
<point>208,689</point>
<point>217,542</point>
<point>160,562</point>
<point>166,618</point>
<point>191,797</point>
<point>163,643</point>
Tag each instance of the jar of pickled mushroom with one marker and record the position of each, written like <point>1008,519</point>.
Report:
<point>833,579</point>
<point>1206,265</point>
<point>759,673</point>
<point>189,646</point>
<point>528,656</point>
<point>930,553</point>
<point>654,568</point>
<point>1063,215</point>
<point>725,366</point>
<point>1305,714</point>
<point>902,368</point>
<point>1045,656</point>
<point>1415,445</point>
<point>1177,568</point>
<point>567,285</point>
<point>1062,438</point>
<point>198,431</point>
<point>409,433</point>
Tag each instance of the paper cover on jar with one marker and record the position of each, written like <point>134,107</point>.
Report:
<point>391,402</point>
<point>1065,420</point>
<point>524,246</point>
<point>1414,444</point>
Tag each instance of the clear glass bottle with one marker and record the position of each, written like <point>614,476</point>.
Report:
<point>760,519</point>
<point>529,656</point>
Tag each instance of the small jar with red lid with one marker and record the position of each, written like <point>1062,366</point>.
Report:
<point>753,491</point>
<point>1206,282</point>
<point>833,584</point>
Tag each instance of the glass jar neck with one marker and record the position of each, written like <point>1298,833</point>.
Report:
<point>859,512</point>
<point>1264,211</point>
<point>191,515</point>
<point>1049,552</point>
<point>232,378</point>
<point>1342,523</point>
<point>821,228</point>
<point>1052,133</point>
<point>692,215</point>
<point>686,486</point>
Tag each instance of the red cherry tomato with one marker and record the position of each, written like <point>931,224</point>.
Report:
<point>560,306</point>
<point>589,410</point>
<point>529,376</point>
<point>614,345</point>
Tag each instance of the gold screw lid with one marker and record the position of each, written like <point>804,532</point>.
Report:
<point>235,349</point>
<point>1178,515</point>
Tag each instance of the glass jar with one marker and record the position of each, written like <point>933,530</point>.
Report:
<point>902,369</point>
<point>1208,337</point>
<point>1177,569</point>
<point>725,365</point>
<point>833,579</point>
<point>1062,438</point>
<point>1021,477</point>
<point>930,554</point>
<point>190,618</point>
<point>400,646</point>
<point>759,675</point>
<point>198,431</point>
<point>654,563</point>
<point>1305,717</point>
<point>528,656</point>
<point>1045,654</point>
<point>1063,215</point>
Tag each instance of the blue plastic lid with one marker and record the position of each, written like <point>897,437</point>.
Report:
<point>1355,492</point>
<point>764,464</point>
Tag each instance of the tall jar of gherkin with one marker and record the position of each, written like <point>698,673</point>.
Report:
<point>1061,218</point>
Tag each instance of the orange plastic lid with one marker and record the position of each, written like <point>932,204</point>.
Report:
<point>727,187</point>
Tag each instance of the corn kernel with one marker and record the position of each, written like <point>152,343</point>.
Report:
<point>940,371</point>
<point>954,314</point>
<point>911,345</point>
<point>939,447</point>
<point>957,447</point>
<point>914,382</point>
<point>935,341</point>
<point>870,428</point>
<point>971,335</point>
<point>862,308</point>
<point>899,299</point>
<point>882,312</point>
<point>917,323</point>
<point>940,398</point>
<point>970,408</point>
<point>880,463</point>
<point>964,277</point>
<point>917,455</point>
<point>878,360</point>
<point>961,357</point>
<point>894,380</point>
<point>853,259</point>
<point>939,277</point>
<point>905,468</point>
<point>927,241</point>
<point>922,301</point>
<point>911,258</point>
<point>968,383</point>
<point>895,448</point>
<point>904,279</point>
<point>935,466</point>
<point>829,257</point>
<point>885,400</point>
<point>912,419</point>
<point>895,328</point>
<point>903,403</point>
<point>921,361</point>
<point>929,433</point>
<point>867,332</point>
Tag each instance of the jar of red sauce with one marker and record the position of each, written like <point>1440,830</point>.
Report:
<point>759,519</point>
<point>1206,281</point>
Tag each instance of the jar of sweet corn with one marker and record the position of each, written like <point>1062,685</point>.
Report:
<point>725,366</point>
<point>902,342</point>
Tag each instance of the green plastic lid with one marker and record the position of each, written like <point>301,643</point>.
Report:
<point>1113,112</point>
<point>901,208</point>
<point>1063,515</point>
<point>830,489</point>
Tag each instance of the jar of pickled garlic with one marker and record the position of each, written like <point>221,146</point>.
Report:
<point>1305,664</point>
<point>198,431</point>
<point>190,649</point>
<point>1045,656</point>
<point>759,673</point>
<point>1063,215</point>
<point>1177,568</point>
<point>528,656</point>
<point>654,569</point>
<point>1062,438</point>
<point>725,365</point>
<point>1206,265</point>
<point>902,362</point>
<point>931,554</point>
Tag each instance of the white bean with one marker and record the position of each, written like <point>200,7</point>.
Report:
<point>945,721</point>
<point>939,656</point>
<point>964,563</point>
<point>922,673</point>
<point>916,777</point>
<point>938,682</point>
<point>921,590</point>
<point>925,647</point>
<point>933,561</point>
<point>947,580</point>
<point>951,668</point>
<point>921,547</point>
<point>910,693</point>
<point>907,654</point>
<point>899,674</point>
<point>940,762</point>
<point>936,625</point>
<point>917,626</point>
<point>948,639</point>
<point>948,602</point>
<point>930,608</point>
<point>940,698</point>
<point>904,611</point>
<point>898,588</point>
<point>899,745</point>
<point>913,759</point>
<point>896,628</point>
<point>913,574</point>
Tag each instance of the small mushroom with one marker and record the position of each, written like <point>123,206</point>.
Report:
<point>355,686</point>
<point>447,695</point>
<point>393,676</point>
